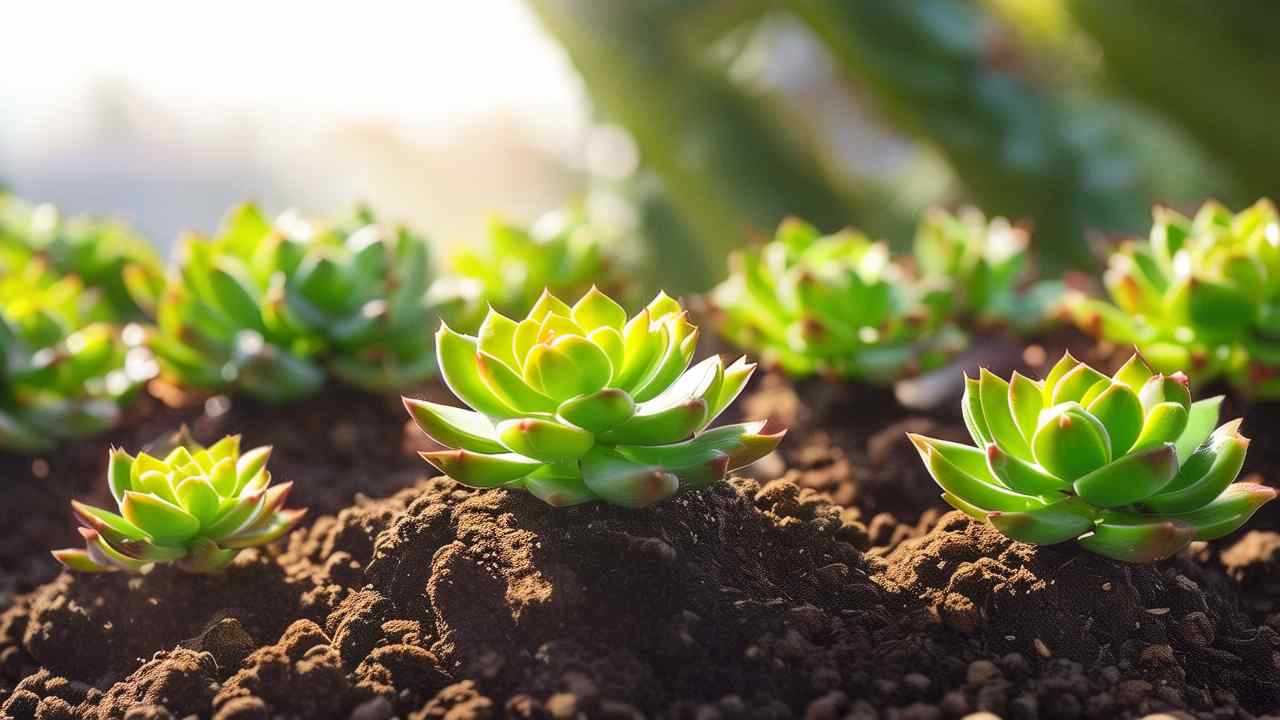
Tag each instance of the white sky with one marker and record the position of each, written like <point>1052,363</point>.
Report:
<point>428,64</point>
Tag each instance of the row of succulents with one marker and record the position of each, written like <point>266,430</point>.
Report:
<point>576,404</point>
<point>579,403</point>
<point>276,308</point>
<point>272,309</point>
<point>1201,294</point>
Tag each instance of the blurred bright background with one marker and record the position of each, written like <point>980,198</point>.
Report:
<point>702,122</point>
<point>168,113</point>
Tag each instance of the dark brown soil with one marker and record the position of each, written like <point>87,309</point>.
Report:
<point>843,590</point>
<point>742,601</point>
<point>338,444</point>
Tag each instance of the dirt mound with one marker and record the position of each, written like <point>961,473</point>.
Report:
<point>1113,636</point>
<point>741,601</point>
<point>733,600</point>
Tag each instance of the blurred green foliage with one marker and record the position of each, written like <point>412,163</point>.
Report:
<point>93,249</point>
<point>1073,115</point>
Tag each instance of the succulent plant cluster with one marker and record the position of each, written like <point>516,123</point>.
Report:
<point>196,508</point>
<point>95,250</point>
<point>274,308</point>
<point>834,305</point>
<point>984,262</point>
<point>1127,465</point>
<point>1201,293</point>
<point>65,368</point>
<point>561,252</point>
<point>579,403</point>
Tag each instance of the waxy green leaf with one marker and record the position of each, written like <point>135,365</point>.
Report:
<point>1071,443</point>
<point>1130,478</point>
<point>1054,523</point>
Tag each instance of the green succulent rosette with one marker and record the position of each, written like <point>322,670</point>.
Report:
<point>93,249</point>
<point>66,370</point>
<point>273,309</point>
<point>196,508</point>
<point>561,252</point>
<point>984,262</point>
<point>1201,293</point>
<point>1128,466</point>
<point>575,404</point>
<point>834,305</point>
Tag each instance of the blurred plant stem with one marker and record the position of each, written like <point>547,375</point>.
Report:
<point>1018,151</point>
<point>726,165</point>
<point>1210,67</point>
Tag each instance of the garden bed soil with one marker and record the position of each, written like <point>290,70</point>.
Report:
<point>337,444</point>
<point>740,601</point>
<point>843,590</point>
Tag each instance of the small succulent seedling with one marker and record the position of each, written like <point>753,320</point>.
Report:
<point>196,508</point>
<point>580,403</point>
<point>562,252</point>
<point>1127,465</point>
<point>983,262</point>
<point>833,305</point>
<point>65,369</point>
<point>271,308</point>
<point>95,250</point>
<point>1201,293</point>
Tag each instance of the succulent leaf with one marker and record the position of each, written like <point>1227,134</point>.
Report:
<point>980,491</point>
<point>1135,473</point>
<point>1026,400</point>
<point>1071,443</point>
<point>600,411</point>
<point>993,393</point>
<point>602,408</point>
<point>1141,542</point>
<point>1130,478</point>
<point>191,509</point>
<point>1057,522</point>
<point>1021,476</point>
<point>1229,511</point>
<point>619,481</point>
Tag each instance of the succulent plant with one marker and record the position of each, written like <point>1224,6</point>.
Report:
<point>96,250</point>
<point>580,403</point>
<point>833,305</point>
<point>984,263</point>
<point>65,368</point>
<point>271,308</point>
<point>562,252</point>
<point>196,508</point>
<point>1127,465</point>
<point>1201,294</point>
